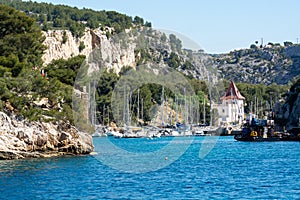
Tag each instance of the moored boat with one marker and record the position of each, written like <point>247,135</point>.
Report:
<point>263,131</point>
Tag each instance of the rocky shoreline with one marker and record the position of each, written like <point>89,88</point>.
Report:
<point>20,139</point>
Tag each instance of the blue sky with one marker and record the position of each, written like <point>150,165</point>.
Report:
<point>217,26</point>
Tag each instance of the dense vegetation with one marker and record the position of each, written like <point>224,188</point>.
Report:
<point>50,16</point>
<point>150,93</point>
<point>292,95</point>
<point>24,82</point>
<point>265,97</point>
<point>20,42</point>
<point>27,88</point>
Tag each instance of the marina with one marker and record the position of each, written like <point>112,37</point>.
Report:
<point>170,121</point>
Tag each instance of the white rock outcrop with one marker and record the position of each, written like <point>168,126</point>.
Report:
<point>21,139</point>
<point>112,53</point>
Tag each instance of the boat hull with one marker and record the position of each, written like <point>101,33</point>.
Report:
<point>261,139</point>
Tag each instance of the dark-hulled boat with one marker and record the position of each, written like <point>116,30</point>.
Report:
<point>263,130</point>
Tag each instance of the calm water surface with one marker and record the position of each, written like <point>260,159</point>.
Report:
<point>232,170</point>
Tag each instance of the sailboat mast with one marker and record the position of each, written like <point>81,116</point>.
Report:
<point>210,101</point>
<point>191,111</point>
<point>162,104</point>
<point>108,115</point>
<point>124,109</point>
<point>127,112</point>
<point>138,106</point>
<point>204,111</point>
<point>142,110</point>
<point>231,103</point>
<point>118,113</point>
<point>170,116</point>
<point>185,108</point>
<point>261,108</point>
<point>94,104</point>
<point>166,107</point>
<point>176,99</point>
<point>103,116</point>
<point>129,108</point>
<point>197,114</point>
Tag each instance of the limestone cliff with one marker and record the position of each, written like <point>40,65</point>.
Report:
<point>62,44</point>
<point>20,139</point>
<point>57,48</point>
<point>267,65</point>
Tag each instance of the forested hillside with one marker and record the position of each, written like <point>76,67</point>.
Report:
<point>25,90</point>
<point>50,16</point>
<point>44,92</point>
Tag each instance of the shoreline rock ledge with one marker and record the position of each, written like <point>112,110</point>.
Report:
<point>21,139</point>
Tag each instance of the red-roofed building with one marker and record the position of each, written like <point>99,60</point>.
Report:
<point>232,93</point>
<point>232,108</point>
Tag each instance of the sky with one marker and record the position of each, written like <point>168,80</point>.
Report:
<point>216,26</point>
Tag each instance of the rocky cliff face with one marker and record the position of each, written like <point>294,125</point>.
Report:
<point>267,65</point>
<point>20,139</point>
<point>294,116</point>
<point>291,108</point>
<point>57,48</point>
<point>62,44</point>
<point>271,64</point>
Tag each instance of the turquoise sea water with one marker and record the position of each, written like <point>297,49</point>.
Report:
<point>231,170</point>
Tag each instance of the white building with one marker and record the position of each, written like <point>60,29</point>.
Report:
<point>232,108</point>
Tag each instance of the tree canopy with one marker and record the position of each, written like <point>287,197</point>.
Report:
<point>20,41</point>
<point>50,16</point>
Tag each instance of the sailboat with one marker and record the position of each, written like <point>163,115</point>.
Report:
<point>130,131</point>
